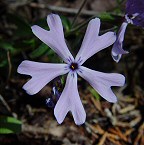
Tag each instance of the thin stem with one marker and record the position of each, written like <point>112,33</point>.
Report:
<point>63,9</point>
<point>68,10</point>
<point>5,103</point>
<point>79,26</point>
<point>10,66</point>
<point>79,11</point>
<point>85,23</point>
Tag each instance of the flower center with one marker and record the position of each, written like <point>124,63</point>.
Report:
<point>130,16</point>
<point>74,66</point>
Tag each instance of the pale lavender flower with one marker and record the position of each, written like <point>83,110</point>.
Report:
<point>134,15</point>
<point>117,49</point>
<point>43,73</point>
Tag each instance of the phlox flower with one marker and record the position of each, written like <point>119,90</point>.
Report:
<point>43,73</point>
<point>134,15</point>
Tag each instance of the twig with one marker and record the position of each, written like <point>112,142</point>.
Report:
<point>114,141</point>
<point>10,66</point>
<point>135,121</point>
<point>97,104</point>
<point>127,109</point>
<point>5,103</point>
<point>95,135</point>
<point>79,26</point>
<point>110,116</point>
<point>95,129</point>
<point>128,132</point>
<point>113,136</point>
<point>103,138</point>
<point>79,11</point>
<point>118,132</point>
<point>63,9</point>
<point>122,124</point>
<point>121,135</point>
<point>69,10</point>
<point>137,138</point>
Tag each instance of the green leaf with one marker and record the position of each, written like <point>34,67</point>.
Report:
<point>30,42</point>
<point>42,49</point>
<point>94,93</point>
<point>66,23</point>
<point>106,16</point>
<point>9,125</point>
<point>7,46</point>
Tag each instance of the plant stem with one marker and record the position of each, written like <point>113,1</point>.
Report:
<point>79,11</point>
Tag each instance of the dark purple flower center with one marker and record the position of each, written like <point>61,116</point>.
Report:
<point>130,16</point>
<point>74,66</point>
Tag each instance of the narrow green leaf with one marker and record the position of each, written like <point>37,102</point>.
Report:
<point>94,93</point>
<point>9,125</point>
<point>7,46</point>
<point>66,23</point>
<point>106,16</point>
<point>30,42</point>
<point>43,48</point>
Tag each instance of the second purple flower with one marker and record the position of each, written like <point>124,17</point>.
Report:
<point>134,15</point>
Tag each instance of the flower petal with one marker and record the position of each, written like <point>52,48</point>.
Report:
<point>102,82</point>
<point>117,49</point>
<point>93,43</point>
<point>55,37</point>
<point>70,101</point>
<point>42,73</point>
<point>139,20</point>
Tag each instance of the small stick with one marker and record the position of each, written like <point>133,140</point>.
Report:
<point>97,104</point>
<point>113,136</point>
<point>63,9</point>
<point>114,141</point>
<point>79,11</point>
<point>127,109</point>
<point>103,138</point>
<point>121,135</point>
<point>68,10</point>
<point>10,65</point>
<point>5,103</point>
<point>128,132</point>
<point>140,134</point>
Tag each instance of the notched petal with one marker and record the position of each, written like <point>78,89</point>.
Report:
<point>102,82</point>
<point>117,49</point>
<point>55,37</point>
<point>70,101</point>
<point>42,73</point>
<point>92,43</point>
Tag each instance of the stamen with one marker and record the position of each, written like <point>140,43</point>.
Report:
<point>74,66</point>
